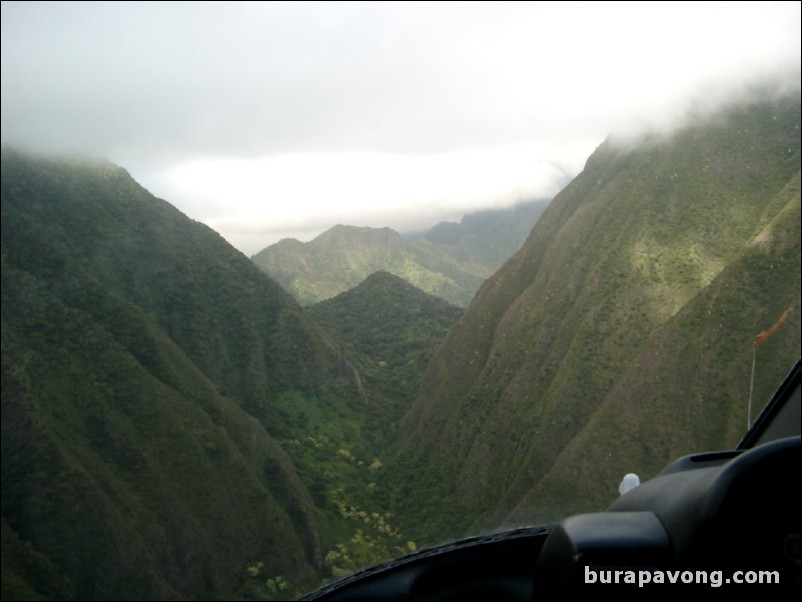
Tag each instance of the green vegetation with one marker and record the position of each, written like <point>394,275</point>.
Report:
<point>451,261</point>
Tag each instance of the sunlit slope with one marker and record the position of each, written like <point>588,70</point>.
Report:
<point>620,335</point>
<point>450,261</point>
<point>138,347</point>
<point>688,388</point>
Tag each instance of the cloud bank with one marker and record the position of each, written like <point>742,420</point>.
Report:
<point>272,119</point>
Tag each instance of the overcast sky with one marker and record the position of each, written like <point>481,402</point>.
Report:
<point>268,120</point>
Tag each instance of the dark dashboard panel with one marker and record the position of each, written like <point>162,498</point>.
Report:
<point>497,567</point>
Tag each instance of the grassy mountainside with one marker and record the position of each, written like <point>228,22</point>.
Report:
<point>619,336</point>
<point>142,360</point>
<point>703,382</point>
<point>451,261</point>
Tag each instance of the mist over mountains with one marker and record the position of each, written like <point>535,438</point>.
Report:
<point>176,425</point>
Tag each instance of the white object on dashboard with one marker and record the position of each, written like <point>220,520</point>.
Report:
<point>630,481</point>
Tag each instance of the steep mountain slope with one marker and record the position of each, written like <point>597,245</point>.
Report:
<point>451,261</point>
<point>619,336</point>
<point>137,348</point>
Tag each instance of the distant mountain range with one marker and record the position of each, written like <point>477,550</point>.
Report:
<point>450,261</point>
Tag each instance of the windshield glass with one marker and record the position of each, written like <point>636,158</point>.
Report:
<point>290,290</point>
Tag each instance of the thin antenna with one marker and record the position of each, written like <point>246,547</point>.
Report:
<point>751,389</point>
